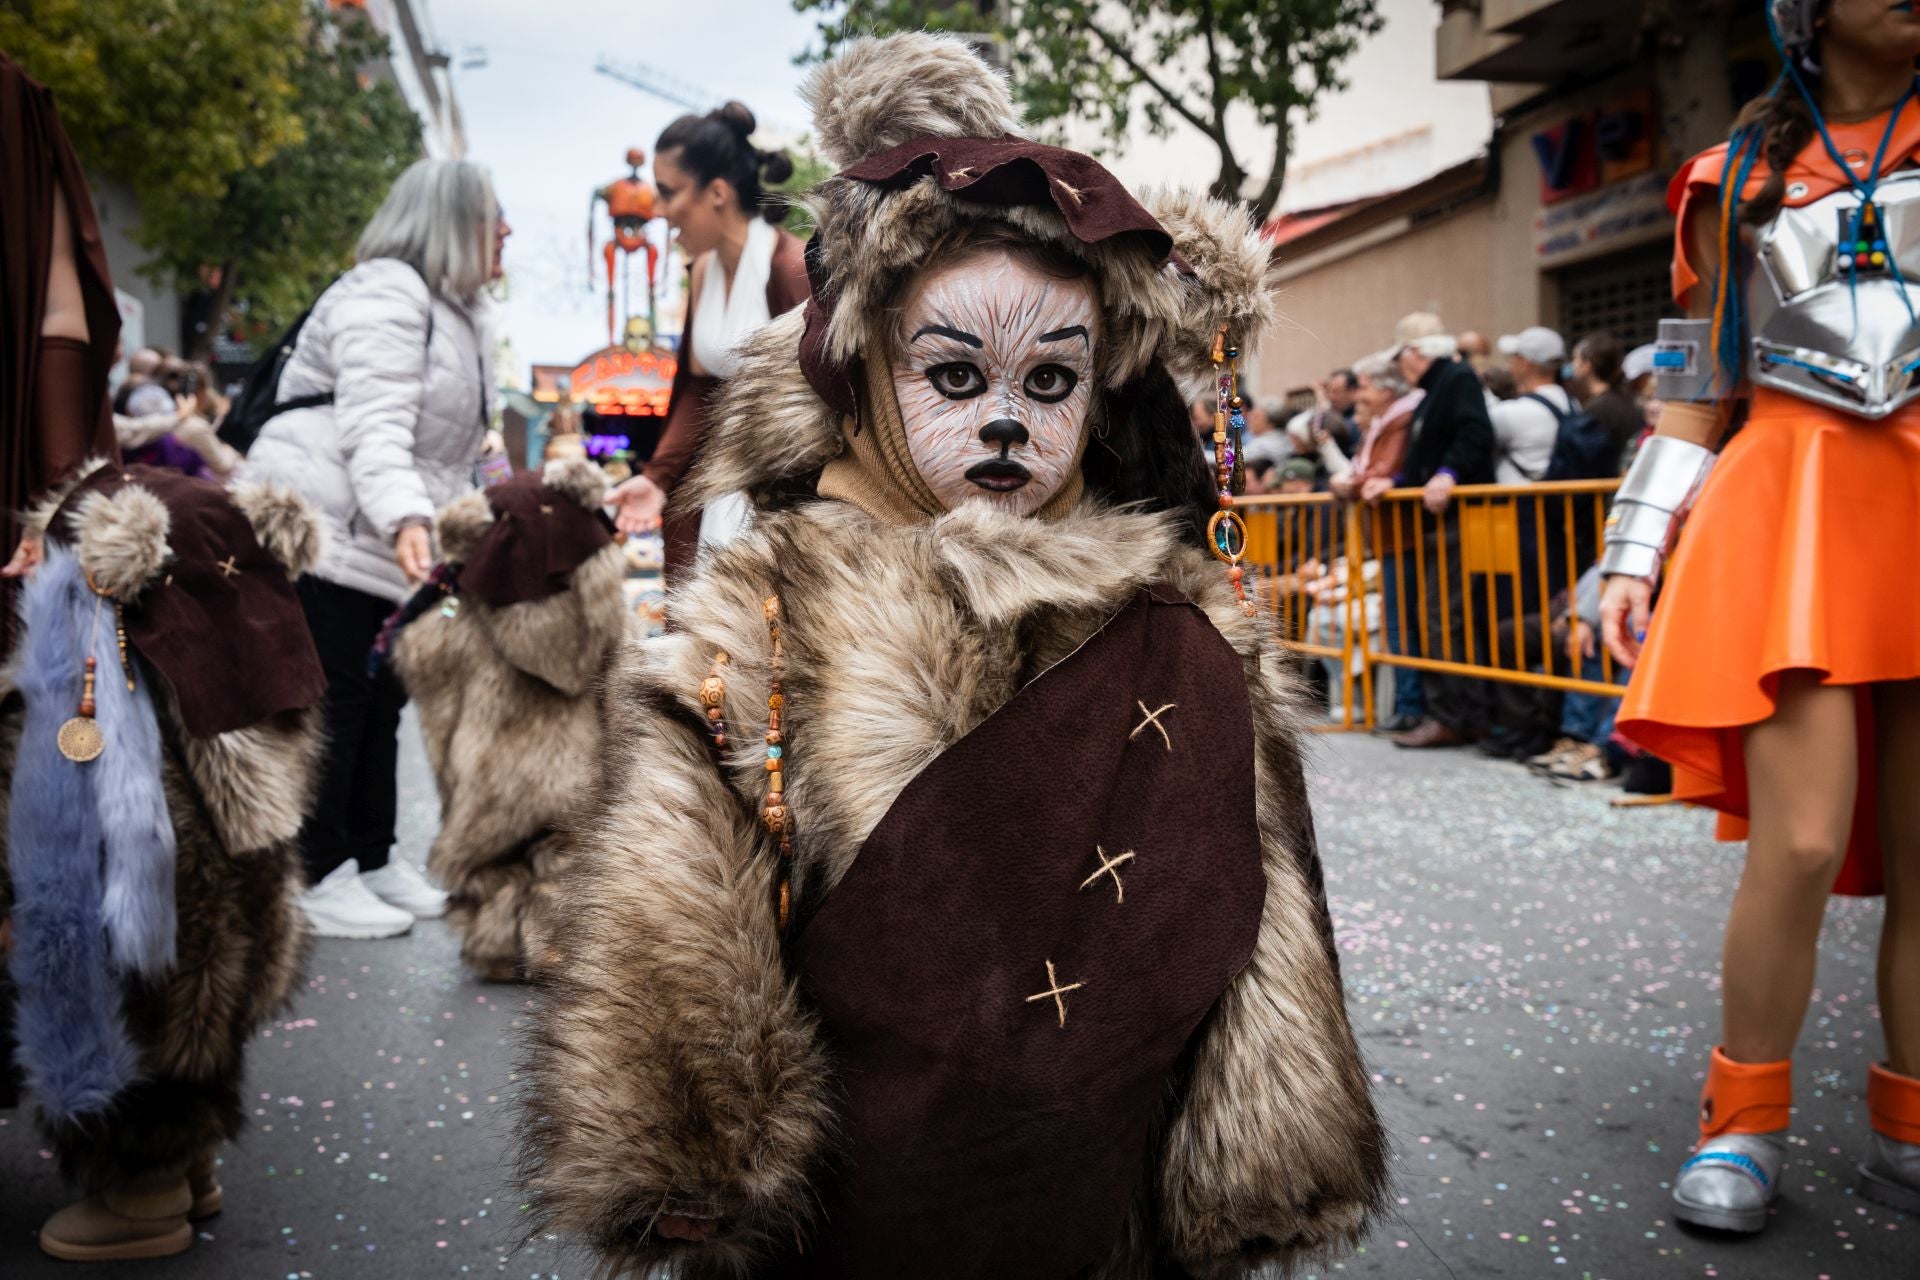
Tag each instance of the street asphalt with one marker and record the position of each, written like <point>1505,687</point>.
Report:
<point>1533,976</point>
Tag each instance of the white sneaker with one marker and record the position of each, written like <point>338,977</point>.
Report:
<point>341,906</point>
<point>402,884</point>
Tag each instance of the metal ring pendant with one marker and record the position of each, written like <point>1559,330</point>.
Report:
<point>1227,536</point>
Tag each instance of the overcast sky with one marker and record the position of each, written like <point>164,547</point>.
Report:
<point>553,131</point>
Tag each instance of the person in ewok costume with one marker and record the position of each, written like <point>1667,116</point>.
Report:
<point>1781,676</point>
<point>501,650</point>
<point>1038,980</point>
<point>158,742</point>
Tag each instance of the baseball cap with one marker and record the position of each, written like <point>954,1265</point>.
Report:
<point>1638,363</point>
<point>1535,344</point>
<point>1422,330</point>
<point>1296,469</point>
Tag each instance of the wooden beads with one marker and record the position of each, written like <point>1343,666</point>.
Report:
<point>713,697</point>
<point>776,817</point>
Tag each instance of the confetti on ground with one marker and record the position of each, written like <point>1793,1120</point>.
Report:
<point>1533,977</point>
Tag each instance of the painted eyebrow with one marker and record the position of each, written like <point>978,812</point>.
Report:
<point>942,331</point>
<point>1071,331</point>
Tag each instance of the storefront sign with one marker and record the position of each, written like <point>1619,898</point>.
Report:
<point>1594,149</point>
<point>613,382</point>
<point>1621,214</point>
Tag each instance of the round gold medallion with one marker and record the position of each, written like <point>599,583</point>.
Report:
<point>80,740</point>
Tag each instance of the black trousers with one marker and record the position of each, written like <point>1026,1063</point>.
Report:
<point>1521,710</point>
<point>358,803</point>
<point>1461,703</point>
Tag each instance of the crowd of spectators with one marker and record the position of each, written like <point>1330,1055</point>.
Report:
<point>1435,410</point>
<point>167,412</point>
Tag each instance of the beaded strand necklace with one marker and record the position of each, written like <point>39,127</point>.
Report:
<point>775,816</point>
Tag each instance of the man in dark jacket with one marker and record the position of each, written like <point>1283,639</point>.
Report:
<point>1452,444</point>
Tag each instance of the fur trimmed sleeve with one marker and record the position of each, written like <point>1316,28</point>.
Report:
<point>672,1069</point>
<point>1276,1153</point>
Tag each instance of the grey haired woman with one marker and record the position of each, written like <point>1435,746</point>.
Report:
<point>397,354</point>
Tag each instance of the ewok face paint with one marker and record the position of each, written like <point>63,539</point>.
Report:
<point>994,371</point>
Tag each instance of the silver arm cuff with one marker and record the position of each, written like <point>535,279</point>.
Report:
<point>1683,360</point>
<point>1652,504</point>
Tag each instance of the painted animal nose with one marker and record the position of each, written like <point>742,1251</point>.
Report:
<point>1004,432</point>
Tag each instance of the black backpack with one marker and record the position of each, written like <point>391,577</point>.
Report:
<point>1583,448</point>
<point>258,401</point>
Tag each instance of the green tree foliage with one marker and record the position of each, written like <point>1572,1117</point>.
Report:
<point>808,168</point>
<point>172,97</point>
<point>284,229</point>
<point>243,130</point>
<point>1108,62</point>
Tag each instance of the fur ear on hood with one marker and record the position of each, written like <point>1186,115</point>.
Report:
<point>577,479</point>
<point>461,524</point>
<point>122,540</point>
<point>286,524</point>
<point>39,517</point>
<point>881,93</point>
<point>1231,281</point>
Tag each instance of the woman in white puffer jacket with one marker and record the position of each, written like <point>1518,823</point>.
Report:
<point>402,344</point>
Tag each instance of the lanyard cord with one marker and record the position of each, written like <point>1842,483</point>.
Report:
<point>1864,189</point>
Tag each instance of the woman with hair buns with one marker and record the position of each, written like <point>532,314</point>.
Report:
<point>746,270</point>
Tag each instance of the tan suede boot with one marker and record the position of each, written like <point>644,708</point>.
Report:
<point>142,1217</point>
<point>204,1182</point>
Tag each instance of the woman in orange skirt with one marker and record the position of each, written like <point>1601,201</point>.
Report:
<point>1782,675</point>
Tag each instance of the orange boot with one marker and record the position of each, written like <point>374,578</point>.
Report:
<point>1734,1174</point>
<point>1891,1174</point>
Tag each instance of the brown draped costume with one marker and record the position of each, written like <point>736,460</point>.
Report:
<point>686,426</point>
<point>54,409</point>
<point>53,392</point>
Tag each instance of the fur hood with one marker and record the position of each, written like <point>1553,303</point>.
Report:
<point>561,640</point>
<point>256,781</point>
<point>674,1067</point>
<point>773,429</point>
<point>121,539</point>
<point>887,92</point>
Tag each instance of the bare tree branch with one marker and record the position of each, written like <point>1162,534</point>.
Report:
<point>1270,191</point>
<point>1214,79</point>
<point>1146,77</point>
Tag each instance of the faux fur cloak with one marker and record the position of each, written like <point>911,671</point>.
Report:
<point>675,1066</point>
<point>236,802</point>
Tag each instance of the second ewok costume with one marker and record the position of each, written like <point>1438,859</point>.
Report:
<point>966,920</point>
<point>158,742</point>
<point>501,656</point>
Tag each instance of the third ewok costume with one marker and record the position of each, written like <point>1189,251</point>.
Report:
<point>948,905</point>
<point>158,742</point>
<point>501,657</point>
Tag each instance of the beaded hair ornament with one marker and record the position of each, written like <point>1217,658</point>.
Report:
<point>1227,532</point>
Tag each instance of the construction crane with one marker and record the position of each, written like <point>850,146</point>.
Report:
<point>656,82</point>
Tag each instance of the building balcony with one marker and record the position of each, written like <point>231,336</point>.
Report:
<point>1533,41</point>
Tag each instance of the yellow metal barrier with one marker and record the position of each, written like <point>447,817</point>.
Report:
<point>1471,591</point>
